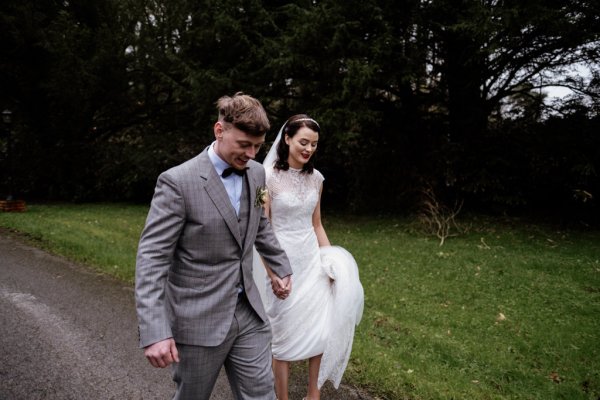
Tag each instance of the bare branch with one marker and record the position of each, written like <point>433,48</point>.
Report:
<point>436,218</point>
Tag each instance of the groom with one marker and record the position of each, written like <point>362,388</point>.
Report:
<point>197,304</point>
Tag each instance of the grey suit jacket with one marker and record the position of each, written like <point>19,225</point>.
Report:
<point>191,253</point>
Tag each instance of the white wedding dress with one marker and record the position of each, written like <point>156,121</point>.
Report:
<point>326,302</point>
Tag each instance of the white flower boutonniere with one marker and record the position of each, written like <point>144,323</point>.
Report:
<point>261,196</point>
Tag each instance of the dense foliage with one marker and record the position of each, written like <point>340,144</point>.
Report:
<point>412,96</point>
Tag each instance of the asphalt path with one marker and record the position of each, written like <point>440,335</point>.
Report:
<point>67,332</point>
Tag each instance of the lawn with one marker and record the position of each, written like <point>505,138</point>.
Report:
<point>506,310</point>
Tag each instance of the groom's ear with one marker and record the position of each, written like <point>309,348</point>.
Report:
<point>218,130</point>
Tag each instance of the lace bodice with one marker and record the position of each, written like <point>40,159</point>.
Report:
<point>294,196</point>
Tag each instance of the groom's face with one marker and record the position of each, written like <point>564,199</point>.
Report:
<point>235,146</point>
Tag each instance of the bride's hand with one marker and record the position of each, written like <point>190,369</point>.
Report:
<point>281,286</point>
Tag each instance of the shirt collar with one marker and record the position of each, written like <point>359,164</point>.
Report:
<point>217,161</point>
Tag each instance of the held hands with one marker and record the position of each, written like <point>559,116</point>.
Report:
<point>162,354</point>
<point>282,287</point>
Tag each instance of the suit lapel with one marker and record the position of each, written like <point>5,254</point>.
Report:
<point>252,185</point>
<point>217,193</point>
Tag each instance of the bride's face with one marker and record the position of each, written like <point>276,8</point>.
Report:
<point>302,146</point>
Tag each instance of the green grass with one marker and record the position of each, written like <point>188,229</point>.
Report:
<point>104,236</point>
<point>431,327</point>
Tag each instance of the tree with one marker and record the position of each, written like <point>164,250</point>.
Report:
<point>108,94</point>
<point>60,57</point>
<point>484,52</point>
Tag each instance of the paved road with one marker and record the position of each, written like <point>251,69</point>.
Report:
<point>67,332</point>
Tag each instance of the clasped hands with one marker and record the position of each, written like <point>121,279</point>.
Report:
<point>282,287</point>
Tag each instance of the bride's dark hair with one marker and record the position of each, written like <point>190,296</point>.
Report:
<point>291,127</point>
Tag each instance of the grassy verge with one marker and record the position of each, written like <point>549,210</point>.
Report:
<point>104,236</point>
<point>505,311</point>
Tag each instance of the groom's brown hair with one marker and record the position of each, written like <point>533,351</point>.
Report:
<point>245,113</point>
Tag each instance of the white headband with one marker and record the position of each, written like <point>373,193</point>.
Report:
<point>306,119</point>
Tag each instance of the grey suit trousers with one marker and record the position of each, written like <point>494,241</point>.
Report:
<point>245,353</point>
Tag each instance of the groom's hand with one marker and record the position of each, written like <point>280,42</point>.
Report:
<point>282,287</point>
<point>162,354</point>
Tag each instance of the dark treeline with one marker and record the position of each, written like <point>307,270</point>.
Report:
<point>440,97</point>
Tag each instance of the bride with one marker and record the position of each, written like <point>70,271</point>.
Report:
<point>317,320</point>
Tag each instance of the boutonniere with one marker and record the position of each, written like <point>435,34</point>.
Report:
<point>261,196</point>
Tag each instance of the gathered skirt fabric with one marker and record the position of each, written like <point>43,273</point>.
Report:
<point>322,311</point>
